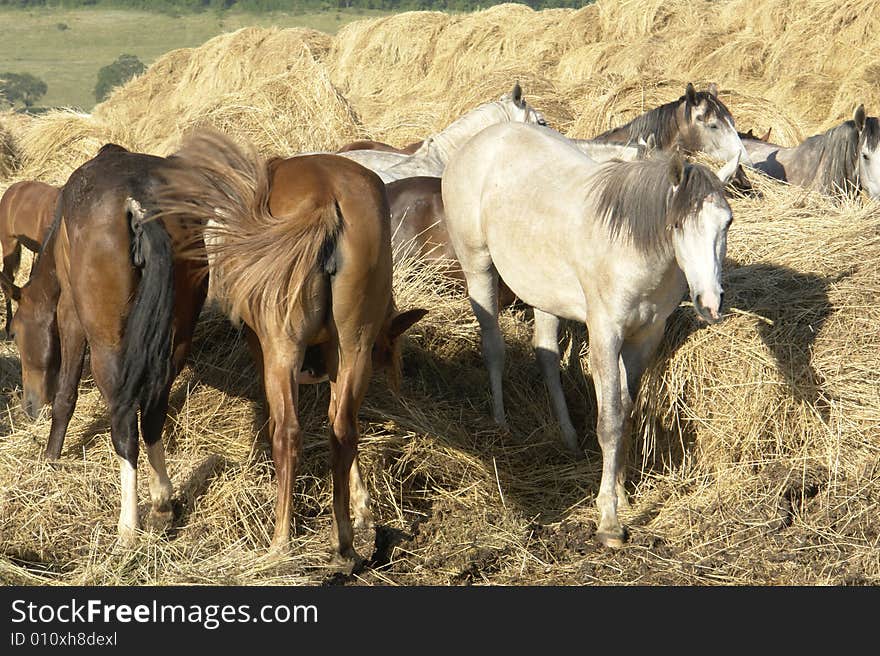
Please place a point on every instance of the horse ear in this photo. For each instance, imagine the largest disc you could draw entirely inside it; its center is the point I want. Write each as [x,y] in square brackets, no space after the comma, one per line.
[690,94]
[676,169]
[403,321]
[729,170]
[12,290]
[859,117]
[712,89]
[766,136]
[651,143]
[517,94]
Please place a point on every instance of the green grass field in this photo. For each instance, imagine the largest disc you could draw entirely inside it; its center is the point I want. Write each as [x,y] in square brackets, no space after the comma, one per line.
[68,60]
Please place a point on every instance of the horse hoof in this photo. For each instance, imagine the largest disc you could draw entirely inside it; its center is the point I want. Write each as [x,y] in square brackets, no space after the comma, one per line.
[158,520]
[126,540]
[279,549]
[344,563]
[612,539]
[363,519]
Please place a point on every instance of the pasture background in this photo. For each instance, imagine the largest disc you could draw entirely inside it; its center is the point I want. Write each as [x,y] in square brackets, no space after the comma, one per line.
[68,60]
[755,456]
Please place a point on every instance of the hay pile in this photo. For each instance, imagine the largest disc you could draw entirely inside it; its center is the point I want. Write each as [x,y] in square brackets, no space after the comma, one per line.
[756,447]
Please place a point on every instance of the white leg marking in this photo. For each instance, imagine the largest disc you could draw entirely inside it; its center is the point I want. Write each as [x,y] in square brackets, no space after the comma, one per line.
[128,513]
[160,485]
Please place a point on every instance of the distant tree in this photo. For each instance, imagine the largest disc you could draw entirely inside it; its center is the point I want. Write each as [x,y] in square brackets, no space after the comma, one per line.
[119,72]
[21,87]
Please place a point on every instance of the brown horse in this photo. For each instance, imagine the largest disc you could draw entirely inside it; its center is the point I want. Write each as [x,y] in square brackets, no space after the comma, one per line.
[108,278]
[418,228]
[26,212]
[301,252]
[366,144]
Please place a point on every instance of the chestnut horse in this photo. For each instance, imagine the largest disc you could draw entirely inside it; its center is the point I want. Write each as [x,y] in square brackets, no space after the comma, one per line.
[301,252]
[26,212]
[366,144]
[418,228]
[108,278]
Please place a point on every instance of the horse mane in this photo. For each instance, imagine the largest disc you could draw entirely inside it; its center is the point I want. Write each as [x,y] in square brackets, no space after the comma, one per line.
[635,199]
[260,262]
[871,133]
[662,121]
[837,165]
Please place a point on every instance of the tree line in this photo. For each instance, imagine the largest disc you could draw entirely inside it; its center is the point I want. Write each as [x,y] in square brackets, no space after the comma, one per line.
[24,89]
[287,5]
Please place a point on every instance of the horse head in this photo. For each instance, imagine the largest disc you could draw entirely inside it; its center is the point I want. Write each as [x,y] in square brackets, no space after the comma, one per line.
[708,126]
[869,151]
[35,331]
[518,109]
[699,217]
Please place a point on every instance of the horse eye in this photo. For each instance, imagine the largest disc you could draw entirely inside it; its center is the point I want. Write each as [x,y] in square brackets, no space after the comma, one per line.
[714,126]
[865,157]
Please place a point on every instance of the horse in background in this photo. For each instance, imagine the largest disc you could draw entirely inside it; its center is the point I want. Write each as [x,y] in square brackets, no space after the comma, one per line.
[615,245]
[26,212]
[698,122]
[841,160]
[365,144]
[301,251]
[431,158]
[108,278]
[418,228]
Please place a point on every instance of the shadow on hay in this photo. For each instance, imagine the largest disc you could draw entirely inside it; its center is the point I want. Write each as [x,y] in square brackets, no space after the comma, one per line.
[795,306]
[10,386]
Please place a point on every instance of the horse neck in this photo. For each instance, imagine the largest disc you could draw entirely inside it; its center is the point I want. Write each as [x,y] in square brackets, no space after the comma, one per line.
[446,142]
[817,156]
[655,121]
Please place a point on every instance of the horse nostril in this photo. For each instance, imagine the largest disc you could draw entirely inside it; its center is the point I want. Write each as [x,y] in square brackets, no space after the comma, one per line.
[721,302]
[698,301]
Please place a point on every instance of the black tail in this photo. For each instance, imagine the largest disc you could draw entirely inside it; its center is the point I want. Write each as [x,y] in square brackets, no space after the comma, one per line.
[146,364]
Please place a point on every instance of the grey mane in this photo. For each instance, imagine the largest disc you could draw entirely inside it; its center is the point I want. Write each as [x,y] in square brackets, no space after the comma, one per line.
[871,133]
[836,153]
[662,121]
[635,199]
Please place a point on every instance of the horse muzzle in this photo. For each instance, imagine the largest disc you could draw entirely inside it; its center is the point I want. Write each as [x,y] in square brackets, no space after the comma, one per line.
[709,309]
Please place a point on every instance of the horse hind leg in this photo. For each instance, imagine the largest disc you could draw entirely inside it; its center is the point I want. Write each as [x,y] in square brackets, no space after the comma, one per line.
[546,344]
[106,364]
[282,361]
[359,495]
[347,389]
[360,498]
[483,294]
[161,489]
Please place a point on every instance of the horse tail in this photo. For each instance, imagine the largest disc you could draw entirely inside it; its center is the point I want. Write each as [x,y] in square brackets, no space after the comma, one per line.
[260,263]
[146,348]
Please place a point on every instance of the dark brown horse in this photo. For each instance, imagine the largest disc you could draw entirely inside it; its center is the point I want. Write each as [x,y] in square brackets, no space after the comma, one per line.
[301,252]
[26,212]
[108,278]
[418,228]
[366,144]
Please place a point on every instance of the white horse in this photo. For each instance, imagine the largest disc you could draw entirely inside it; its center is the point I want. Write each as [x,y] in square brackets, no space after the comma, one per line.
[614,245]
[431,158]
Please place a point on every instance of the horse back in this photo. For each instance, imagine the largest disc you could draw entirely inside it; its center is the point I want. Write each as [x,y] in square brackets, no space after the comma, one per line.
[27,209]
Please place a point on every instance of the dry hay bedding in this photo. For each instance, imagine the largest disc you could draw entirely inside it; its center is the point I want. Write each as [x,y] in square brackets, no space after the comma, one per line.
[755,444]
